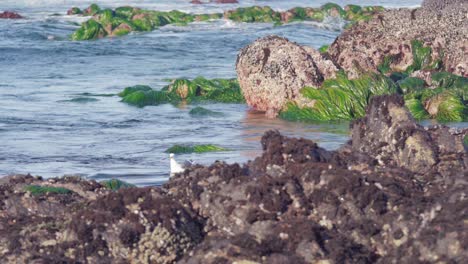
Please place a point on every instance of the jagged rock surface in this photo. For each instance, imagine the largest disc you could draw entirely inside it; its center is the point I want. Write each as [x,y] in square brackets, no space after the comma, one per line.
[272,70]
[381,198]
[442,26]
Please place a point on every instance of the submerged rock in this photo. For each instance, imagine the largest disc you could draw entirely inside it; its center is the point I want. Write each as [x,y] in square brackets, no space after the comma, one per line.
[10,15]
[272,71]
[394,194]
[196,90]
[135,19]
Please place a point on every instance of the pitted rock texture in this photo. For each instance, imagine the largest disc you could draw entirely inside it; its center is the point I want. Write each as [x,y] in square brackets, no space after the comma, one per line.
[390,134]
[381,198]
[438,5]
[273,70]
[364,46]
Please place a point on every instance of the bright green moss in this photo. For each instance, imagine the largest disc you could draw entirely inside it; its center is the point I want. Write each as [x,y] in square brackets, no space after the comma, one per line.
[147,20]
[201,89]
[143,24]
[132,89]
[180,149]
[254,14]
[421,56]
[125,12]
[451,108]
[197,90]
[41,190]
[90,29]
[324,48]
[340,98]
[116,184]
[417,109]
[145,98]
[92,10]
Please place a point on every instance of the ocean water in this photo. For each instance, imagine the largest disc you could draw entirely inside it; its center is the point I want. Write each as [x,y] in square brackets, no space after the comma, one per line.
[50,126]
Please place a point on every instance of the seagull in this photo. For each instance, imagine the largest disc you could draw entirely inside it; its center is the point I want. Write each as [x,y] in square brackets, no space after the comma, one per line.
[176,167]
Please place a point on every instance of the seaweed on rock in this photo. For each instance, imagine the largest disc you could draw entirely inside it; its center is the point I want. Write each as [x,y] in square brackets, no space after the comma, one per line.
[181,149]
[41,190]
[126,19]
[340,98]
[190,91]
[116,184]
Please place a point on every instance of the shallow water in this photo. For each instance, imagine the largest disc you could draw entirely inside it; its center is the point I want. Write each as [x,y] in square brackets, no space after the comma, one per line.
[50,127]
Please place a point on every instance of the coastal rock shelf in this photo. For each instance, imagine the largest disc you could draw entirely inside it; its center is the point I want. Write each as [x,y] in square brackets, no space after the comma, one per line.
[399,197]
[418,53]
[123,20]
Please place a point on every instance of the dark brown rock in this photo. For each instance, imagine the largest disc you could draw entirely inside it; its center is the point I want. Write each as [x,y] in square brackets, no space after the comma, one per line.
[395,194]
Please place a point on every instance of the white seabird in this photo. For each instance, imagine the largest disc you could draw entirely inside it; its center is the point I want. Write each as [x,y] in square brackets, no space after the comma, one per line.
[176,167]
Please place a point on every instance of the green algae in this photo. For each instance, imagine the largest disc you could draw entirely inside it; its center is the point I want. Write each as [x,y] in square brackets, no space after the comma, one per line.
[449,80]
[90,29]
[421,56]
[146,98]
[324,49]
[109,22]
[417,109]
[452,109]
[75,11]
[80,100]
[136,88]
[116,184]
[340,98]
[190,91]
[202,112]
[411,84]
[185,149]
[41,190]
[254,14]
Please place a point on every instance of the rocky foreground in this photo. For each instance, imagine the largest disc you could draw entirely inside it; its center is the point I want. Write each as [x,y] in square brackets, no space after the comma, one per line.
[396,193]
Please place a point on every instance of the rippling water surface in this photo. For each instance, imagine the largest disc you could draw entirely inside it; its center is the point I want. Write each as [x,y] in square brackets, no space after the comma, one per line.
[49,126]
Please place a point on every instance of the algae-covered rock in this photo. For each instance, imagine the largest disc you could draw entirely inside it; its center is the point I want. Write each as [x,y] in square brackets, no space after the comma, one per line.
[146,20]
[116,184]
[41,190]
[201,112]
[411,84]
[90,29]
[180,149]
[340,98]
[404,40]
[253,14]
[74,11]
[190,91]
[92,10]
